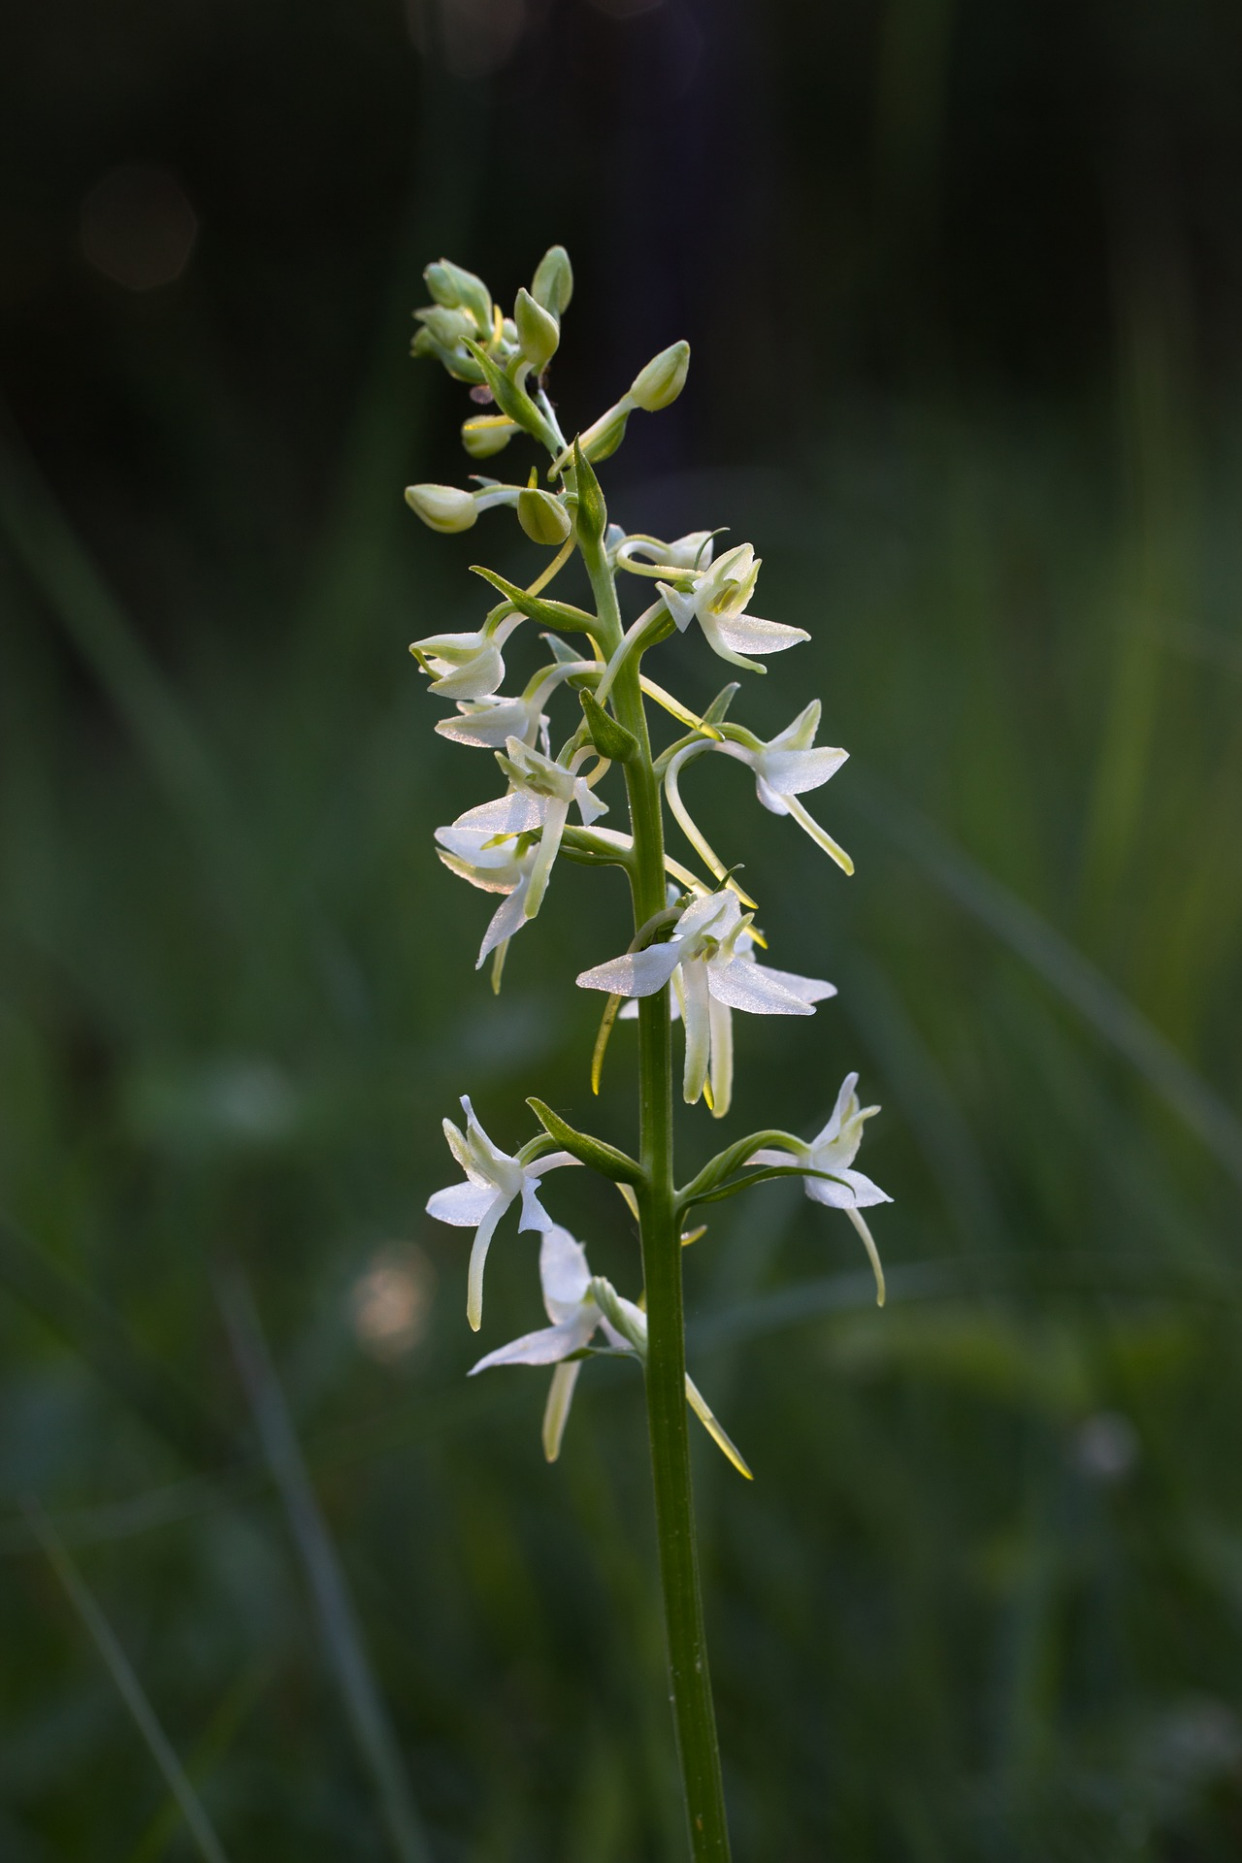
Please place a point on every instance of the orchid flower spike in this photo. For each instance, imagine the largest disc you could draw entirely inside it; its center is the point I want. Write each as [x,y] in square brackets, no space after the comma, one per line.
[718,598]
[713,971]
[493,1181]
[465,666]
[578,1305]
[833,1151]
[786,767]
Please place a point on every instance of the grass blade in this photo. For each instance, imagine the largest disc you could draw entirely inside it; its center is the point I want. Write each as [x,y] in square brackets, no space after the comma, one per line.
[364,1706]
[1100,1003]
[128,1686]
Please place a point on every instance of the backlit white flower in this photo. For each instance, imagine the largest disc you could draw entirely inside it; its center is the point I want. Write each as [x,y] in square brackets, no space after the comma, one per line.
[786,767]
[465,666]
[542,795]
[834,1150]
[489,722]
[711,965]
[472,851]
[718,600]
[578,1305]
[494,1180]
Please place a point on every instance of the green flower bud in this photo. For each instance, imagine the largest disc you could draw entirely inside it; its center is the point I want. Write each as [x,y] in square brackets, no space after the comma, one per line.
[485,434]
[455,288]
[592,511]
[604,436]
[446,326]
[443,507]
[553,283]
[543,518]
[659,384]
[537,329]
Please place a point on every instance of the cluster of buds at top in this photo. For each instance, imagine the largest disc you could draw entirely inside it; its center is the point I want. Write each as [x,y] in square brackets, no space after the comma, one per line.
[704,947]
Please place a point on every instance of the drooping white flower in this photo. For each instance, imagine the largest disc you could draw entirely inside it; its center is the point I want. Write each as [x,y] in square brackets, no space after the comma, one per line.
[509,845]
[494,1180]
[578,1305]
[834,1150]
[542,795]
[786,767]
[718,599]
[711,965]
[465,666]
[473,851]
[489,722]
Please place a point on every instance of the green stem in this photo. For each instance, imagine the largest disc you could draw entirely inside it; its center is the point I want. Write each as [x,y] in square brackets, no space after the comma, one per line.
[661,1245]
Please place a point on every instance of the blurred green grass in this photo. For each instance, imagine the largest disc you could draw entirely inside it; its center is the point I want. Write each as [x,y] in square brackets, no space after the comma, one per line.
[985,1597]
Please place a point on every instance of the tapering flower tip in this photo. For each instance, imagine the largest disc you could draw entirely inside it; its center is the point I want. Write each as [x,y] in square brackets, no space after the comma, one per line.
[544,518]
[485,434]
[659,384]
[553,283]
[457,289]
[442,507]
[538,331]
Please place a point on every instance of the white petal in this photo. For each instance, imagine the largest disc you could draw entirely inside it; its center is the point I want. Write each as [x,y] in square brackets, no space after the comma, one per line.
[853,1191]
[839,1111]
[546,1347]
[697,1012]
[680,606]
[534,1216]
[769,798]
[793,772]
[563,1273]
[722,1056]
[748,634]
[810,989]
[640,974]
[556,1410]
[477,679]
[517,813]
[749,986]
[464,1205]
[800,735]
[478,1260]
[770,1156]
[506,921]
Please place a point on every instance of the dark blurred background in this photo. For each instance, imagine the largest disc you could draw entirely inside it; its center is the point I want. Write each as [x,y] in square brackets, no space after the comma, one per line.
[963,286]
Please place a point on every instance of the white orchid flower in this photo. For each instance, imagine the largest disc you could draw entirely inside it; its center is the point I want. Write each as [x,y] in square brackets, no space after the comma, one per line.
[578,1305]
[718,599]
[465,666]
[713,971]
[508,846]
[542,795]
[834,1150]
[494,1180]
[786,767]
[489,722]
[472,851]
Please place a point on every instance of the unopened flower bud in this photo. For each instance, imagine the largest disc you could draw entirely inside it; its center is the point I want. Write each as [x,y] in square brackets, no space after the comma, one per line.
[442,507]
[455,288]
[659,384]
[553,283]
[485,434]
[543,518]
[538,331]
